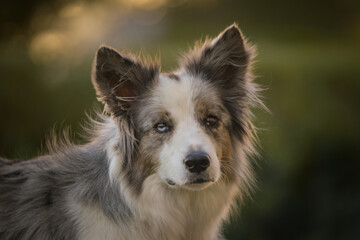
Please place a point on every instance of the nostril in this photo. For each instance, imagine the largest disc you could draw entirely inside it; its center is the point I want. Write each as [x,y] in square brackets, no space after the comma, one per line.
[204,162]
[197,162]
[189,164]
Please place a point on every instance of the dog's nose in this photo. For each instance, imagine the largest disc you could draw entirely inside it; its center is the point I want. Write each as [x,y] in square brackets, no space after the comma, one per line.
[197,162]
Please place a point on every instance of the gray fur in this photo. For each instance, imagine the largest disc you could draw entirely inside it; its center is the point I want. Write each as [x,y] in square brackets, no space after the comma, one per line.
[120,81]
[33,192]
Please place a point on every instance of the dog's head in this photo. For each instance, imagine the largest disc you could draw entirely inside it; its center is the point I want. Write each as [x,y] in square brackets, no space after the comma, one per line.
[191,126]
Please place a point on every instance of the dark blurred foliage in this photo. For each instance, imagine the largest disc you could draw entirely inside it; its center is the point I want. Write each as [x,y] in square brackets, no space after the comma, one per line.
[309,62]
[16,15]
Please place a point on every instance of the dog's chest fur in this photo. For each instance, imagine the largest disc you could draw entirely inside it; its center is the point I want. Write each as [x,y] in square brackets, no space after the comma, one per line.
[160,214]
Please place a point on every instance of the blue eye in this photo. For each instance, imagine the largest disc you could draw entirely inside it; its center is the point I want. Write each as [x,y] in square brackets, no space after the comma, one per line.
[162,127]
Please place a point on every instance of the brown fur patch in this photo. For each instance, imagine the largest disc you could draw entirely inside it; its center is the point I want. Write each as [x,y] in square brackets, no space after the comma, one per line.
[220,134]
[145,161]
[227,160]
[173,76]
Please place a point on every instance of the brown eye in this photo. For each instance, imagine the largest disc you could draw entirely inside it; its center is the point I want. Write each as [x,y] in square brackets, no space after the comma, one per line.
[211,121]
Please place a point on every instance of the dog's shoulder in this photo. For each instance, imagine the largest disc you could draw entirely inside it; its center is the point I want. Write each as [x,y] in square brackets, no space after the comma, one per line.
[29,206]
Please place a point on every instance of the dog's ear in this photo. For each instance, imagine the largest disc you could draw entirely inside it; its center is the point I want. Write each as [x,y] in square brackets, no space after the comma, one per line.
[119,79]
[224,59]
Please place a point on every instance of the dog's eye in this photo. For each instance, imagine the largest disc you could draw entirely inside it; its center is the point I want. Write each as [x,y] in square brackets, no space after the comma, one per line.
[211,121]
[162,127]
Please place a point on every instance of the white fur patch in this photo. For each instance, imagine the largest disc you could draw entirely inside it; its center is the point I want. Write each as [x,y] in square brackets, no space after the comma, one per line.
[178,98]
[94,225]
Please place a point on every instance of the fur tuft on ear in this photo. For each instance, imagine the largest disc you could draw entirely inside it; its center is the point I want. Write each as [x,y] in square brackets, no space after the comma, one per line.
[223,59]
[119,79]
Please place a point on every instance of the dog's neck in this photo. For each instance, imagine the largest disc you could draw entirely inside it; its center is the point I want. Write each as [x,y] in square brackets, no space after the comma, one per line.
[196,214]
[162,213]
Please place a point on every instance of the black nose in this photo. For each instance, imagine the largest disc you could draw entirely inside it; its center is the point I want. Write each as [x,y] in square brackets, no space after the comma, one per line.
[197,162]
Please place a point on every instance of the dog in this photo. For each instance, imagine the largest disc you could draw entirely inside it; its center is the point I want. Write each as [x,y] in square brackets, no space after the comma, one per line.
[168,159]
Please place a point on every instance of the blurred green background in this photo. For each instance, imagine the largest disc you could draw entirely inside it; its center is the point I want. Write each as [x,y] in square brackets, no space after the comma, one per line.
[308,60]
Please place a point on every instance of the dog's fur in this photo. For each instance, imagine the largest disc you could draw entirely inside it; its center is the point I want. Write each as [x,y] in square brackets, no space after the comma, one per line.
[130,181]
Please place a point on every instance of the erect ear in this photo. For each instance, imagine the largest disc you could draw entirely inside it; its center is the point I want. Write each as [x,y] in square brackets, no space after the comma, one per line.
[225,62]
[224,59]
[119,80]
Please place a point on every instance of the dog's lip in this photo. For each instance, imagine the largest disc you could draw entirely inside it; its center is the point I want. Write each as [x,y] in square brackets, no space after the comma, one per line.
[200,181]
[193,182]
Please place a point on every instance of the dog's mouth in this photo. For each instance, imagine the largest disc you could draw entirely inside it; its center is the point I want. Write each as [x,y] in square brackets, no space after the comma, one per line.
[193,182]
[200,180]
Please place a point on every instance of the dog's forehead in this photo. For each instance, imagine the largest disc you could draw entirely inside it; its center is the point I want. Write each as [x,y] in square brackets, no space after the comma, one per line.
[179,93]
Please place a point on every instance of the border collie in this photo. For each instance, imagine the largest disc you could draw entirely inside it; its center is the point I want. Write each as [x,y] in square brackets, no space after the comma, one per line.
[167,161]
